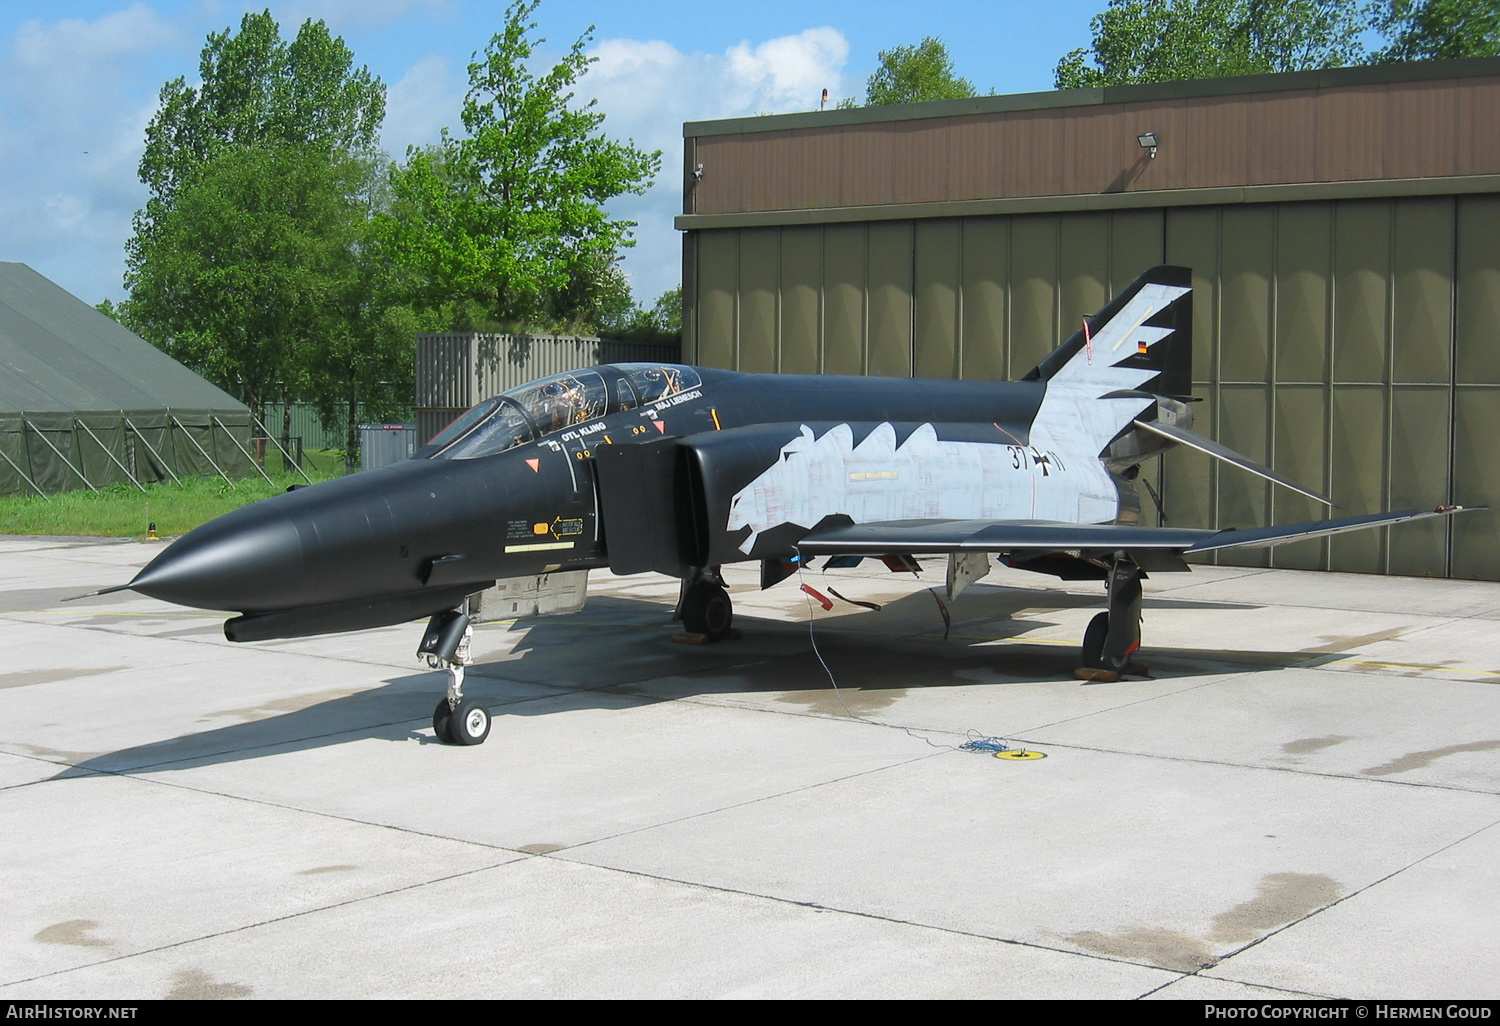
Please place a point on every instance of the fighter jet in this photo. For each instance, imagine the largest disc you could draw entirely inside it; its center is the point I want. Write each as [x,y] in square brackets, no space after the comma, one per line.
[681,470]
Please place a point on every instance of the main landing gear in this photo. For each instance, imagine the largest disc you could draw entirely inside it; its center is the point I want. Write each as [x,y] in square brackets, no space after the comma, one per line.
[1113,637]
[704,606]
[456,720]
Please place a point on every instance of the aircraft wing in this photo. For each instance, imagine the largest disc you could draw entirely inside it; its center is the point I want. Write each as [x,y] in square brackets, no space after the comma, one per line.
[1258,537]
[931,536]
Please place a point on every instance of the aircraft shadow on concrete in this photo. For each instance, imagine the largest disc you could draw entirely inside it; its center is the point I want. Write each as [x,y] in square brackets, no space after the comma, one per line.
[619,653]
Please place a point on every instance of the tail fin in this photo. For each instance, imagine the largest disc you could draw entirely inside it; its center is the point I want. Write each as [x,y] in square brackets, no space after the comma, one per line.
[1147,327]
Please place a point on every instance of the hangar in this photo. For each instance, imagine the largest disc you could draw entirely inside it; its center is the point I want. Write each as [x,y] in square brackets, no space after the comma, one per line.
[1343,228]
[85,403]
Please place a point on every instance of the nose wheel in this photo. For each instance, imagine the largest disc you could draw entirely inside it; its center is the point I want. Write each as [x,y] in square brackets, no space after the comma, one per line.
[442,716]
[469,724]
[456,720]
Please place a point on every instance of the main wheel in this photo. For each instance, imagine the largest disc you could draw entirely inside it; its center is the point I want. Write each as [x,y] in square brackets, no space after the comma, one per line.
[1093,641]
[470,724]
[442,721]
[707,610]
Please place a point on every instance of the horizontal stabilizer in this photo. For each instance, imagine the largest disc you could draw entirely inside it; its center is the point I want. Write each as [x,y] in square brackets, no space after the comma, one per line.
[1193,440]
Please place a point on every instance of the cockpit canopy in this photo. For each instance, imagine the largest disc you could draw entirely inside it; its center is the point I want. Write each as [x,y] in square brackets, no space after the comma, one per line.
[538,408]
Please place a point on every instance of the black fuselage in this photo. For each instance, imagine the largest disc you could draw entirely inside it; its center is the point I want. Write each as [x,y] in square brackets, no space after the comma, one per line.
[374,546]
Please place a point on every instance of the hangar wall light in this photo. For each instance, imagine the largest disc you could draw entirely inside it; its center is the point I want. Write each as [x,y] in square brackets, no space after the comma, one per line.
[1148,141]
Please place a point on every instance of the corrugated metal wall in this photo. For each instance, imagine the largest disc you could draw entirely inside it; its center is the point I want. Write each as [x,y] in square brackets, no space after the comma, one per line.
[1339,125]
[1351,344]
[307,426]
[455,371]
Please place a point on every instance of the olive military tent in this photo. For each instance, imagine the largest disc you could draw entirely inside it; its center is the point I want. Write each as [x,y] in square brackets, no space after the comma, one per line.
[84,402]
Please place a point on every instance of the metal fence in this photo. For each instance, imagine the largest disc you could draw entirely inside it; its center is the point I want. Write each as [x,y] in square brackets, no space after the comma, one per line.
[457,370]
[307,426]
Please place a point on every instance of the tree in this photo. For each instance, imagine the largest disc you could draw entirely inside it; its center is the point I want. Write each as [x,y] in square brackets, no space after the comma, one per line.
[1434,29]
[364,359]
[912,74]
[239,281]
[662,322]
[1136,41]
[255,213]
[511,216]
[595,298]
[666,314]
[256,89]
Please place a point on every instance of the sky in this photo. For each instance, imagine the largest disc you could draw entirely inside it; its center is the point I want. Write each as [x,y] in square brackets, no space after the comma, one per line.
[79,81]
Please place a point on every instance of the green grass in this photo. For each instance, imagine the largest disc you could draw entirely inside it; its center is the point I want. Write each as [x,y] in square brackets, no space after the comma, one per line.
[122,511]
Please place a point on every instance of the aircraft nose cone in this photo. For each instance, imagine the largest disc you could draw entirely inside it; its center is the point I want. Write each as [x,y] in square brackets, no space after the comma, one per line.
[246,561]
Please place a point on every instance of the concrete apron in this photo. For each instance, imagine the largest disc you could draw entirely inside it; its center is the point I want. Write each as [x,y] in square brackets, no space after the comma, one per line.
[1302,799]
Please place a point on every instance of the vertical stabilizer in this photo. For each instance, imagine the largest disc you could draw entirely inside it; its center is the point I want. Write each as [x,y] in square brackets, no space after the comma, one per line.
[1146,332]
[1102,378]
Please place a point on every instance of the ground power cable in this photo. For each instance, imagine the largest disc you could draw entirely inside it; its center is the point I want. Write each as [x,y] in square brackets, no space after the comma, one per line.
[977,740]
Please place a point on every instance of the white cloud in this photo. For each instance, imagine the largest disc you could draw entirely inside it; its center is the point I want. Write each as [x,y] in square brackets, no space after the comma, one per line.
[648,89]
[417,108]
[72,129]
[76,95]
[67,62]
[789,73]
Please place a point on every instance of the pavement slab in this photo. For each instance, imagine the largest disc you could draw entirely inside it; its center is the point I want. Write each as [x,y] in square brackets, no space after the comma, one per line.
[1368,725]
[1429,930]
[15,770]
[1163,862]
[99,866]
[572,768]
[1207,988]
[548,929]
[1302,798]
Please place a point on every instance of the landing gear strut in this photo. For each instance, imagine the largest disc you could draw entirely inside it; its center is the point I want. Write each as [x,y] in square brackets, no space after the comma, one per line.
[704,606]
[456,720]
[1113,637]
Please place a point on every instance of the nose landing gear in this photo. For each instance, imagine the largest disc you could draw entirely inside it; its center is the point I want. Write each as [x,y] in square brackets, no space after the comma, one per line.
[456,720]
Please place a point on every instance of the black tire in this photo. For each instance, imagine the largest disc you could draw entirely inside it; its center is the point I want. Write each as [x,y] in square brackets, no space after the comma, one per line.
[707,610]
[1093,641]
[470,724]
[442,718]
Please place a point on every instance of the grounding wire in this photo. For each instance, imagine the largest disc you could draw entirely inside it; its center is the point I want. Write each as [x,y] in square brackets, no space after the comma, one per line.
[976,742]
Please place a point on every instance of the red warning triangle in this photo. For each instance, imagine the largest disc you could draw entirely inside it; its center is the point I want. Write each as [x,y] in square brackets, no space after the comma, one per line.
[661,426]
[534,465]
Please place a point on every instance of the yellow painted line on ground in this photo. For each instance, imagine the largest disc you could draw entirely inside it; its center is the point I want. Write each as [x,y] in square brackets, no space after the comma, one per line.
[1374,663]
